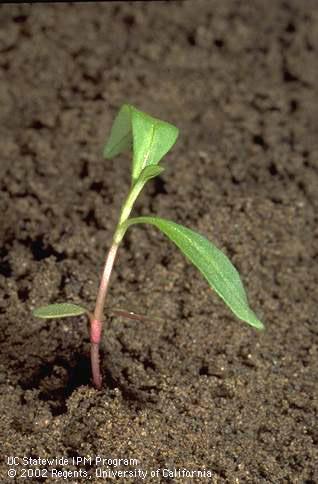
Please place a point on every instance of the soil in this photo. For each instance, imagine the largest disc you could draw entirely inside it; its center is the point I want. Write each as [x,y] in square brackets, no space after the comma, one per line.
[197,389]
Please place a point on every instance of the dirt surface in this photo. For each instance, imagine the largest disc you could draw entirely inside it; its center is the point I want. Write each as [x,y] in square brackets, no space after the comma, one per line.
[198,390]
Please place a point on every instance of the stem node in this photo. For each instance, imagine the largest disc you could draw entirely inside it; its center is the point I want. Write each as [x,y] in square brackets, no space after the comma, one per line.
[96,331]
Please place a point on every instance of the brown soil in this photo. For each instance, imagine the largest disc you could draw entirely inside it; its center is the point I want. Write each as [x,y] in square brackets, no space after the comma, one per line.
[199,389]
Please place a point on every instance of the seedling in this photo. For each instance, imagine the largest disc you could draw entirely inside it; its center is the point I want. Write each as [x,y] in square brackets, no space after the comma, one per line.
[150,139]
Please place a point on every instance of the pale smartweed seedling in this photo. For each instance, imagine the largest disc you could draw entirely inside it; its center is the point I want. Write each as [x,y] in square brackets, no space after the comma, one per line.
[150,139]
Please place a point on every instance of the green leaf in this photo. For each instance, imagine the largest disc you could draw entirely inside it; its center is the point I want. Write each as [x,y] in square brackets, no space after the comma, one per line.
[149,172]
[121,134]
[211,262]
[149,137]
[60,310]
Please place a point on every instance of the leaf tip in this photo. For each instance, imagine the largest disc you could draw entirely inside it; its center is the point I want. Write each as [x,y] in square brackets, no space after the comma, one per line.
[256,323]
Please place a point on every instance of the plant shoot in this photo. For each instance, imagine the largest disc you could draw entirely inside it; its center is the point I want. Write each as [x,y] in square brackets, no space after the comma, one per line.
[150,139]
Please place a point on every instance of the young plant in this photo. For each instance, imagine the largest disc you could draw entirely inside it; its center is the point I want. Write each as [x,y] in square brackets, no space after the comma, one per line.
[150,139]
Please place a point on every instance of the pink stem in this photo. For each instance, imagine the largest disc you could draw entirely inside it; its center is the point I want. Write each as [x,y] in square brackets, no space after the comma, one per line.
[95,336]
[96,320]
